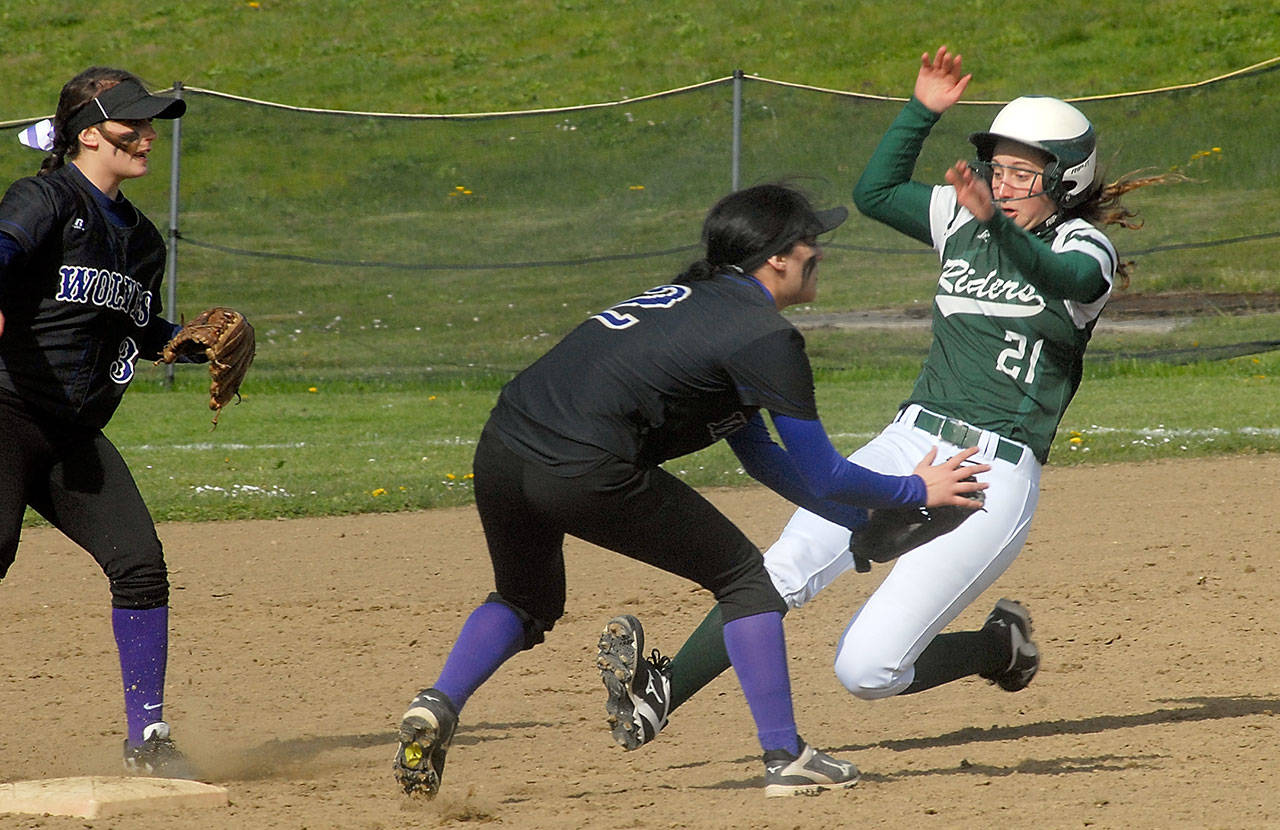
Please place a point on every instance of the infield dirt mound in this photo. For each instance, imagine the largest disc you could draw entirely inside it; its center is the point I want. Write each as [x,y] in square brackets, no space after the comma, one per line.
[297,645]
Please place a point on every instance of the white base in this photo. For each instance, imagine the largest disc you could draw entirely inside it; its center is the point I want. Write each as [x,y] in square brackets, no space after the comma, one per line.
[97,796]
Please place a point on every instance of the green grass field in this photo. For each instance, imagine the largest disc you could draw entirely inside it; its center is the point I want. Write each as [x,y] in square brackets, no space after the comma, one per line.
[411,267]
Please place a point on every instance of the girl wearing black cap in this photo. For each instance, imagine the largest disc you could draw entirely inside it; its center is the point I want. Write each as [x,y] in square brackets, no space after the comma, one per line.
[575,443]
[80,272]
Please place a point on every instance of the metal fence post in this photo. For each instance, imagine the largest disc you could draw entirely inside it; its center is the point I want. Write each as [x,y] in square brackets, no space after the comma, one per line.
[737,125]
[171,263]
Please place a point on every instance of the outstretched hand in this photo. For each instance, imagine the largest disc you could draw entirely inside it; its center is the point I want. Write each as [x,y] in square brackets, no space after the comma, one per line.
[972,191]
[946,482]
[940,82]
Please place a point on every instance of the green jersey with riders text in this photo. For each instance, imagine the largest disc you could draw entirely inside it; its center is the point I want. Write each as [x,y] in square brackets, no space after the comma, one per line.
[1006,355]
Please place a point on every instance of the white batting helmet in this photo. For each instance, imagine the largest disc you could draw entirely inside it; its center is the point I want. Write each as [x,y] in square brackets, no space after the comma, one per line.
[1056,128]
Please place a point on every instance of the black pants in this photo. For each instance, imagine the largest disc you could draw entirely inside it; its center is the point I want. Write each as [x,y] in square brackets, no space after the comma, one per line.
[76,479]
[645,514]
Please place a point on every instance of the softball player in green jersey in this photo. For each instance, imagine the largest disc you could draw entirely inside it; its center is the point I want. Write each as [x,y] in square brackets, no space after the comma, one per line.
[1025,272]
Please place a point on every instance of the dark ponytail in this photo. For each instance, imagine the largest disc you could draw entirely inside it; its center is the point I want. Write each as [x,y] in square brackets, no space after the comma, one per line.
[77,93]
[700,270]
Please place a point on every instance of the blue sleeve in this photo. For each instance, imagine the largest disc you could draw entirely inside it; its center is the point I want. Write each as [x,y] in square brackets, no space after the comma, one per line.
[829,475]
[157,334]
[840,499]
[10,252]
[770,465]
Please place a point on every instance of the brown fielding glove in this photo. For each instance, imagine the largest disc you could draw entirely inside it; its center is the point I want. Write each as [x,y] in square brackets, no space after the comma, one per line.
[225,337]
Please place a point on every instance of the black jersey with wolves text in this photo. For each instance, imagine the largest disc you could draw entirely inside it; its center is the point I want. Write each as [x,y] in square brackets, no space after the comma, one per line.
[658,376]
[82,303]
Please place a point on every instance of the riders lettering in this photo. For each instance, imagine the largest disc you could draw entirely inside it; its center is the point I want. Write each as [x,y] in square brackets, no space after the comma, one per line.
[958,278]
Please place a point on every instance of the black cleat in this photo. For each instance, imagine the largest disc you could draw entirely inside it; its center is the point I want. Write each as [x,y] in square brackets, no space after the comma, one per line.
[639,688]
[425,734]
[1012,619]
[157,756]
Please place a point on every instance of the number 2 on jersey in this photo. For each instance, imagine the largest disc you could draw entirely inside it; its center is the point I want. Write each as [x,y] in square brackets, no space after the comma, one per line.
[663,296]
[1010,360]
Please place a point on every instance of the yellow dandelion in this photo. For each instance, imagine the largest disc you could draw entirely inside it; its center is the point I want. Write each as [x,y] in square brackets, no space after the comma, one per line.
[470,475]
[1076,439]
[312,389]
[450,476]
[636,187]
[380,491]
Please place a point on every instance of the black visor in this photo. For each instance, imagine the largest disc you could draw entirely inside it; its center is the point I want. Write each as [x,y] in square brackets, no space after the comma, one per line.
[823,221]
[126,101]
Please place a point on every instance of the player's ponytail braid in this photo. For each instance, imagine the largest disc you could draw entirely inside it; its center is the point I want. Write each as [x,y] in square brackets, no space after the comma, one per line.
[699,270]
[76,93]
[57,156]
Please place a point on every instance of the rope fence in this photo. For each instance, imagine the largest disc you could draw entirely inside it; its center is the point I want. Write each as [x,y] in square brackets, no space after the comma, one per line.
[254,216]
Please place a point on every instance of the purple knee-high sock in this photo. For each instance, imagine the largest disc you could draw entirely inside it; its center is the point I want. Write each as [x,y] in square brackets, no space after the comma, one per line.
[142,639]
[491,635]
[758,651]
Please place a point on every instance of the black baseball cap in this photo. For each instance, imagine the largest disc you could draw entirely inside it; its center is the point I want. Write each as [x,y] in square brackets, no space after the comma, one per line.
[126,101]
[820,222]
[830,219]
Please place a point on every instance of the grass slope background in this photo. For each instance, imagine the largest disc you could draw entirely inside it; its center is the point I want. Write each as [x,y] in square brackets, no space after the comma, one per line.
[373,381]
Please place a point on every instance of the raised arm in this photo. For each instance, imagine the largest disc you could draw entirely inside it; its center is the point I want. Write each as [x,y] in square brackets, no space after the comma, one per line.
[885,191]
[941,81]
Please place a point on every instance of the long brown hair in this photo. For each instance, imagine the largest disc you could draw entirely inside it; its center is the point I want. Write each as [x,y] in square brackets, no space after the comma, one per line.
[76,93]
[1103,208]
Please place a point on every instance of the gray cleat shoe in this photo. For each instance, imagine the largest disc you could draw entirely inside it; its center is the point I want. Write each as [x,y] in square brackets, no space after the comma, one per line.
[808,773]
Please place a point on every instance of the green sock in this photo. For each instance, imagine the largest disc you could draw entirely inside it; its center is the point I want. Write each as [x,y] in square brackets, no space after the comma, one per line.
[958,654]
[700,660]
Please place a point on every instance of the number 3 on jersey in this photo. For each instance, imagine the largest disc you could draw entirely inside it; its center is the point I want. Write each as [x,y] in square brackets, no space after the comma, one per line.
[663,296]
[1010,360]
[122,366]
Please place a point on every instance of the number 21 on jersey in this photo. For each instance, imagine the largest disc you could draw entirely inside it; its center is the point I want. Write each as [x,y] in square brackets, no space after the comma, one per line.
[1011,359]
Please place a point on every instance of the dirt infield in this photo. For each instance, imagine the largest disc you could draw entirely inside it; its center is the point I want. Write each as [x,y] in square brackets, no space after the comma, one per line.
[297,645]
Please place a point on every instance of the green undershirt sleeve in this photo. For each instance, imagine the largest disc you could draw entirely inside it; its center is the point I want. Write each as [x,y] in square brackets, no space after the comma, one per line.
[885,191]
[1072,275]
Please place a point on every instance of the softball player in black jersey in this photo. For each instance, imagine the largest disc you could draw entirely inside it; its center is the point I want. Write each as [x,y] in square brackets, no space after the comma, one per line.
[574,445]
[80,272]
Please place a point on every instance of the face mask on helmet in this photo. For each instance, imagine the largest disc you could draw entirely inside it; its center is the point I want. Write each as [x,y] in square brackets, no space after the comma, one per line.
[1053,127]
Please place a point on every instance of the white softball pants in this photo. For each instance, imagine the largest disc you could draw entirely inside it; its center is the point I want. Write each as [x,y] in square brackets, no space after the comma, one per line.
[929,586]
